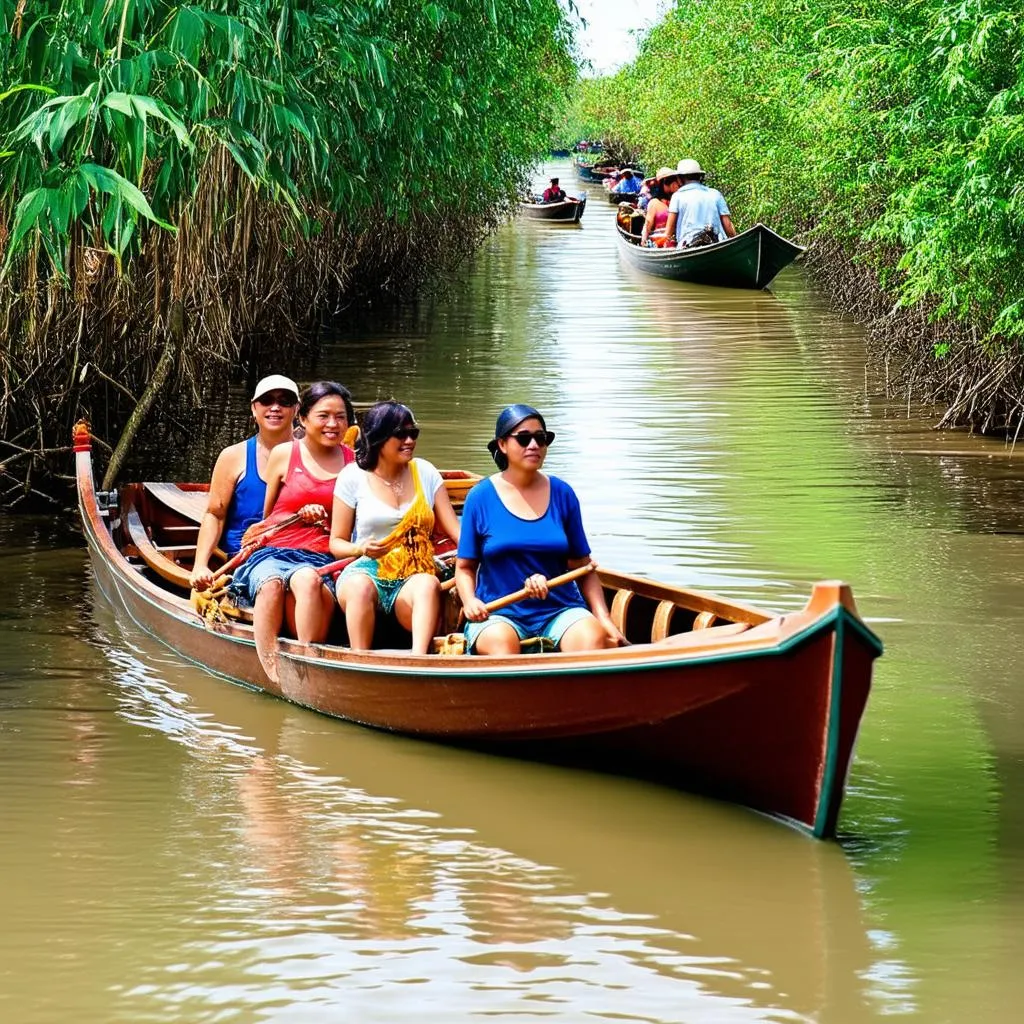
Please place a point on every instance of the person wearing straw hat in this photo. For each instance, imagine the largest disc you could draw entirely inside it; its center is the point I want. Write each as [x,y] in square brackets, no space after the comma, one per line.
[520,529]
[662,187]
[697,215]
[238,485]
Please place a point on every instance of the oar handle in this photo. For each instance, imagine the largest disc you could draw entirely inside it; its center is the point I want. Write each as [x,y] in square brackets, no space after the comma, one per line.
[333,567]
[254,544]
[555,581]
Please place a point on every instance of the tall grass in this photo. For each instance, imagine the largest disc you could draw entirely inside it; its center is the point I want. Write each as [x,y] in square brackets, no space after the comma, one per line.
[191,174]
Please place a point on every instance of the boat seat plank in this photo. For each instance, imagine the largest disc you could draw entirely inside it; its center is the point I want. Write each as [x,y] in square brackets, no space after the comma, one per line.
[620,608]
[662,620]
[188,504]
[148,552]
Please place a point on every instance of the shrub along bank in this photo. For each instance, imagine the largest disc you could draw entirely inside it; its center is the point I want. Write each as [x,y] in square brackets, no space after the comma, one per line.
[889,134]
[176,178]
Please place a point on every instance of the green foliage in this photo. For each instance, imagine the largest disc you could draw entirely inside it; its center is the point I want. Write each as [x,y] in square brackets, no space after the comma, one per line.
[896,127]
[222,171]
[339,106]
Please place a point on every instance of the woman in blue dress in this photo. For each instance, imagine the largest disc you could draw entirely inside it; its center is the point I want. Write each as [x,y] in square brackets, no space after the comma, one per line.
[521,527]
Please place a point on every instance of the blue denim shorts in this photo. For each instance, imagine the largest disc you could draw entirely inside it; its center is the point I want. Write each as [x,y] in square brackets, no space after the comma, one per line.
[387,590]
[554,629]
[275,564]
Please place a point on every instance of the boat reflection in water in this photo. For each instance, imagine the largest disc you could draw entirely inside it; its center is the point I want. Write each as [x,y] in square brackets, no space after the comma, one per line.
[505,864]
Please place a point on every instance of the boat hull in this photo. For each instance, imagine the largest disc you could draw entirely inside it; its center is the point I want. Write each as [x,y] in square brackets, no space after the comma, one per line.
[765,717]
[751,259]
[568,212]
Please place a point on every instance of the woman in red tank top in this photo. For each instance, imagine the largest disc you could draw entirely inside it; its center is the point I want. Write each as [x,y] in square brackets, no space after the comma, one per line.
[281,581]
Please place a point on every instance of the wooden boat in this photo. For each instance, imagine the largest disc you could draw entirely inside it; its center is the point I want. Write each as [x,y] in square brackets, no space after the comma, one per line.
[712,695]
[750,259]
[594,174]
[623,197]
[567,212]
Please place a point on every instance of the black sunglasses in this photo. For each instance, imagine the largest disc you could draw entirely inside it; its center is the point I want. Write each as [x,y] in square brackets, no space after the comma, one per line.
[406,433]
[542,437]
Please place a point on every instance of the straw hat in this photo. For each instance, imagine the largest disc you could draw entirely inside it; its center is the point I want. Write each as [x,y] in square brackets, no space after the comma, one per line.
[689,167]
[663,174]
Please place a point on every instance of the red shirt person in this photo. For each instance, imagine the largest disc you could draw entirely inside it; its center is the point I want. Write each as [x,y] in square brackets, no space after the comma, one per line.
[553,193]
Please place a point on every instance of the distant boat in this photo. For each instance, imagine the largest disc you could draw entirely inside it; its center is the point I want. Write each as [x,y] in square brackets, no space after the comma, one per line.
[594,173]
[568,211]
[750,259]
[623,197]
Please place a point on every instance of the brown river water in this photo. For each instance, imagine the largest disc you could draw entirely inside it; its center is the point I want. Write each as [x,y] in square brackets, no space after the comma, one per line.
[176,848]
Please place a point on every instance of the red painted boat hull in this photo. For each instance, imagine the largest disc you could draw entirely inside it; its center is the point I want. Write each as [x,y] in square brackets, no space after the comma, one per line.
[766,716]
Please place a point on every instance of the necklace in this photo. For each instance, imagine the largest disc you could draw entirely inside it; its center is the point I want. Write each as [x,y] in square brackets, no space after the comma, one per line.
[396,486]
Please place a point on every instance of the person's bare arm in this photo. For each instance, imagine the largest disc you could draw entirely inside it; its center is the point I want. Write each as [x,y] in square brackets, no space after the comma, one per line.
[727,224]
[343,521]
[445,515]
[648,224]
[593,593]
[670,228]
[226,472]
[465,583]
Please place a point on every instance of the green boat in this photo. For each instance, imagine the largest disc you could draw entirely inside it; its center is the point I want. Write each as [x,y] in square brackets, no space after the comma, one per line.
[751,259]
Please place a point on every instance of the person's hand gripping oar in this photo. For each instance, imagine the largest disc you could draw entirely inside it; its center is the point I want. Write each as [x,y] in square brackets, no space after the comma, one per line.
[206,594]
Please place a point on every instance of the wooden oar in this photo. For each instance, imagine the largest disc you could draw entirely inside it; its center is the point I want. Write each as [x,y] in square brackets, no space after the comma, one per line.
[555,581]
[247,549]
[333,567]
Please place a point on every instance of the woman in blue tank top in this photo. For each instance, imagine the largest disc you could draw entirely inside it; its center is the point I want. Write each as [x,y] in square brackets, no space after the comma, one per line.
[519,529]
[237,488]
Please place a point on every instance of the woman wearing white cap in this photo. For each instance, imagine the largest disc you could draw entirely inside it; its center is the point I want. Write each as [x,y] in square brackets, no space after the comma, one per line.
[238,487]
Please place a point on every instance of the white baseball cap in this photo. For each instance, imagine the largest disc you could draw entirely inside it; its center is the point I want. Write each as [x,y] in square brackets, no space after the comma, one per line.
[275,382]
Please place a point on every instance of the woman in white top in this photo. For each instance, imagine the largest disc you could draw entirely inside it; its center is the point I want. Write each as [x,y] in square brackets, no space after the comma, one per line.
[385,506]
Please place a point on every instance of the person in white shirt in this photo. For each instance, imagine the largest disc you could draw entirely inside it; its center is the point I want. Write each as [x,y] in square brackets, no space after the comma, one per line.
[385,508]
[696,212]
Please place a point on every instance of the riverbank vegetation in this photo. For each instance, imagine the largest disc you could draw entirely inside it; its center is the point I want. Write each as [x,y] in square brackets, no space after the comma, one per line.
[891,136]
[176,179]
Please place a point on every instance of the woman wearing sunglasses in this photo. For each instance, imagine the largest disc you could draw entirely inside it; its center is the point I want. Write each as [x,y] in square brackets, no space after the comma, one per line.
[385,508]
[238,486]
[520,528]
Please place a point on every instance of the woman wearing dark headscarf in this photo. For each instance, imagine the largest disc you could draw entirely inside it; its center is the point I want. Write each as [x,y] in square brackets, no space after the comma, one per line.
[519,529]
[385,508]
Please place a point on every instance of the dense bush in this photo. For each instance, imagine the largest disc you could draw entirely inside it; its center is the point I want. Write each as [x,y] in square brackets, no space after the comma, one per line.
[185,175]
[891,132]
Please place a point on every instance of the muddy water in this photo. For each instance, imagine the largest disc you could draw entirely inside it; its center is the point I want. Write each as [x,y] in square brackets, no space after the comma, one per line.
[175,848]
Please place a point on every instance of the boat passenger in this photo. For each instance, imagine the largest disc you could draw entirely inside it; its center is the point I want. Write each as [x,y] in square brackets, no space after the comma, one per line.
[663,185]
[628,183]
[521,527]
[238,486]
[697,215]
[554,193]
[281,580]
[385,508]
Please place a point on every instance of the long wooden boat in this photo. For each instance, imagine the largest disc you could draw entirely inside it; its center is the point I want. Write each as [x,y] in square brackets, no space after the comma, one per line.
[569,211]
[712,695]
[750,259]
